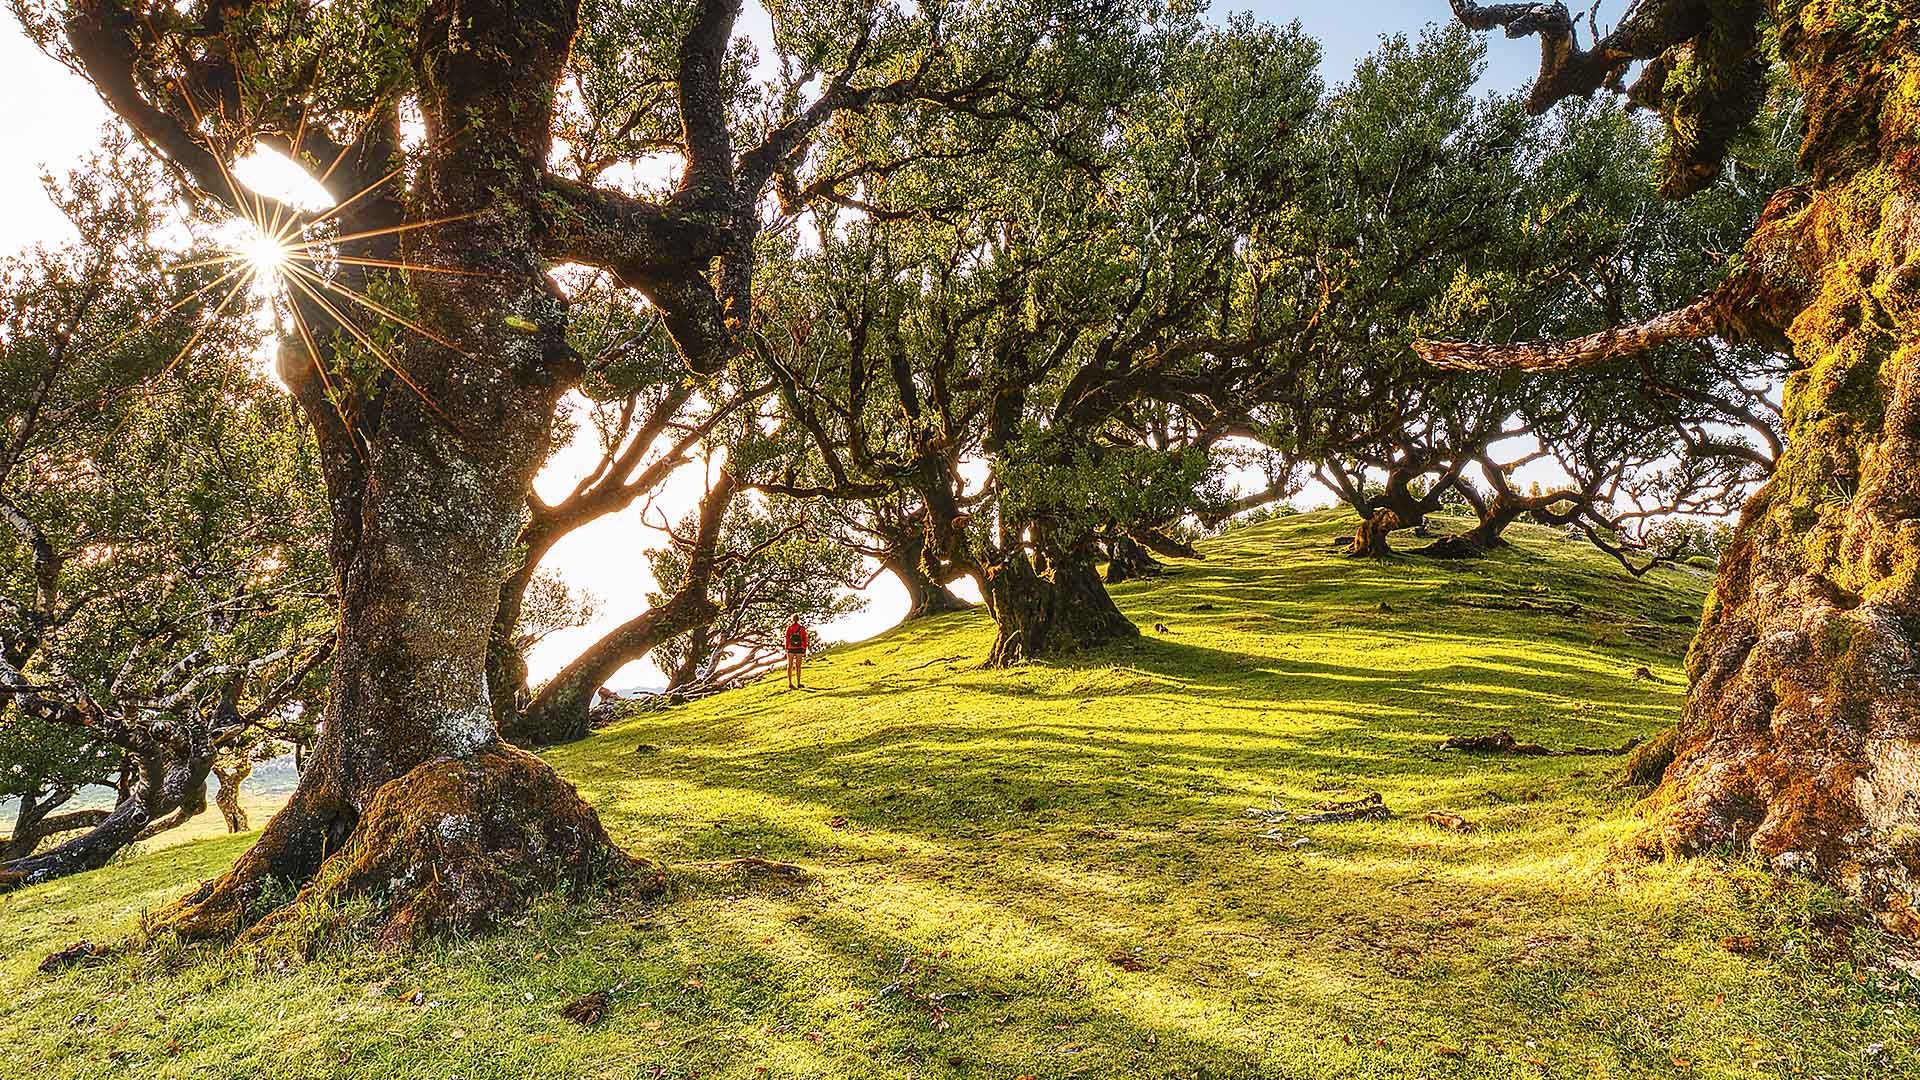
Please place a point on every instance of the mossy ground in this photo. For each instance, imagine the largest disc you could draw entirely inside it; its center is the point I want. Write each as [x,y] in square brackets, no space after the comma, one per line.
[1051,871]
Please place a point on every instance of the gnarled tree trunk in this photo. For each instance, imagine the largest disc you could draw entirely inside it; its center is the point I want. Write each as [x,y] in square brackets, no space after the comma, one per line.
[409,800]
[34,820]
[1061,610]
[1393,508]
[1370,539]
[228,797]
[561,711]
[1129,560]
[167,787]
[907,559]
[1801,737]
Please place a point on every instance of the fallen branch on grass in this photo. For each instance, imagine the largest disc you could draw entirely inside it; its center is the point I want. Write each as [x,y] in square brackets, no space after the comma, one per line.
[1441,819]
[80,952]
[1369,808]
[1503,742]
[754,864]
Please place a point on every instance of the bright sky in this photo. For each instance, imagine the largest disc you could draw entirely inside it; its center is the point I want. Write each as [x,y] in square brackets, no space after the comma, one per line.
[53,120]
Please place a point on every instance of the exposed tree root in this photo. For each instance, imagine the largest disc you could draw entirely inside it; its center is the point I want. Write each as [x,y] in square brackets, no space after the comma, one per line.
[1369,807]
[454,846]
[1466,545]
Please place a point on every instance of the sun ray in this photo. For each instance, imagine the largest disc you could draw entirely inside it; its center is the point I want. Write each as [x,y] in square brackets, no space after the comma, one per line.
[379,354]
[219,309]
[320,369]
[385,231]
[278,248]
[334,210]
[176,305]
[377,309]
[422,268]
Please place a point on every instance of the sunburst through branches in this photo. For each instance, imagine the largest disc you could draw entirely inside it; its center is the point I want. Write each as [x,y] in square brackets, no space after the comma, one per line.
[292,261]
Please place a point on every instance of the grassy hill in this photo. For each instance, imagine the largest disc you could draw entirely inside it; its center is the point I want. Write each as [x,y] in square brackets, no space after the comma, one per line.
[1053,872]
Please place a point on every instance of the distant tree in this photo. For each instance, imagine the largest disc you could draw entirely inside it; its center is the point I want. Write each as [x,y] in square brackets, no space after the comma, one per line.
[890,530]
[649,421]
[1688,428]
[164,600]
[1045,290]
[1798,734]
[1414,177]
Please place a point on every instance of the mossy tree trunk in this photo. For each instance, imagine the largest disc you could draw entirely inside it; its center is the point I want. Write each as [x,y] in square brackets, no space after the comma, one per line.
[409,799]
[1801,736]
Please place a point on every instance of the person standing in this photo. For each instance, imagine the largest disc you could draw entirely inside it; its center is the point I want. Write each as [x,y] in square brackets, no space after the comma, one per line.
[797,641]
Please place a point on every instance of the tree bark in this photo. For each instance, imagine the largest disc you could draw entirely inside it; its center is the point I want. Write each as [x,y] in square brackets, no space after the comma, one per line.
[1370,539]
[1396,507]
[1801,735]
[907,560]
[35,821]
[27,831]
[1482,538]
[1161,544]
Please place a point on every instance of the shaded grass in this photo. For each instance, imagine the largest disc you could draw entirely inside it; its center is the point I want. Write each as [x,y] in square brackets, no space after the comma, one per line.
[1051,871]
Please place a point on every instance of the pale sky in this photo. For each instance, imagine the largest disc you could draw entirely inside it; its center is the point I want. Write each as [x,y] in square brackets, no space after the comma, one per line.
[54,119]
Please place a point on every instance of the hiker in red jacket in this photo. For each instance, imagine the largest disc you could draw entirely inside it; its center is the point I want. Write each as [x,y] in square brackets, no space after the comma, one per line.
[797,641]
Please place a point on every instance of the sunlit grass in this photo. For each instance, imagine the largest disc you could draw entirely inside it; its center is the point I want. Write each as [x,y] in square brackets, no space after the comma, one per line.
[1051,871]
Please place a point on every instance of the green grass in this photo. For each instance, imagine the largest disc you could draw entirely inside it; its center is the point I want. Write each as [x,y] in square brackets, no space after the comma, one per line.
[1052,872]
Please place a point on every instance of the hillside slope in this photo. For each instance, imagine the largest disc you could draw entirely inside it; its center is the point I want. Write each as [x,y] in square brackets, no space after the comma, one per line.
[1053,871]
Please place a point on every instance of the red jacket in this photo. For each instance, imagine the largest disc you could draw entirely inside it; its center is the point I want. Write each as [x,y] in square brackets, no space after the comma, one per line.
[797,638]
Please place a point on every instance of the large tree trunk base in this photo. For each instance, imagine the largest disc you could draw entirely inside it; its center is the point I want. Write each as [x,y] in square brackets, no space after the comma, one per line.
[1052,615]
[1085,616]
[453,847]
[1020,601]
[939,601]
[1802,744]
